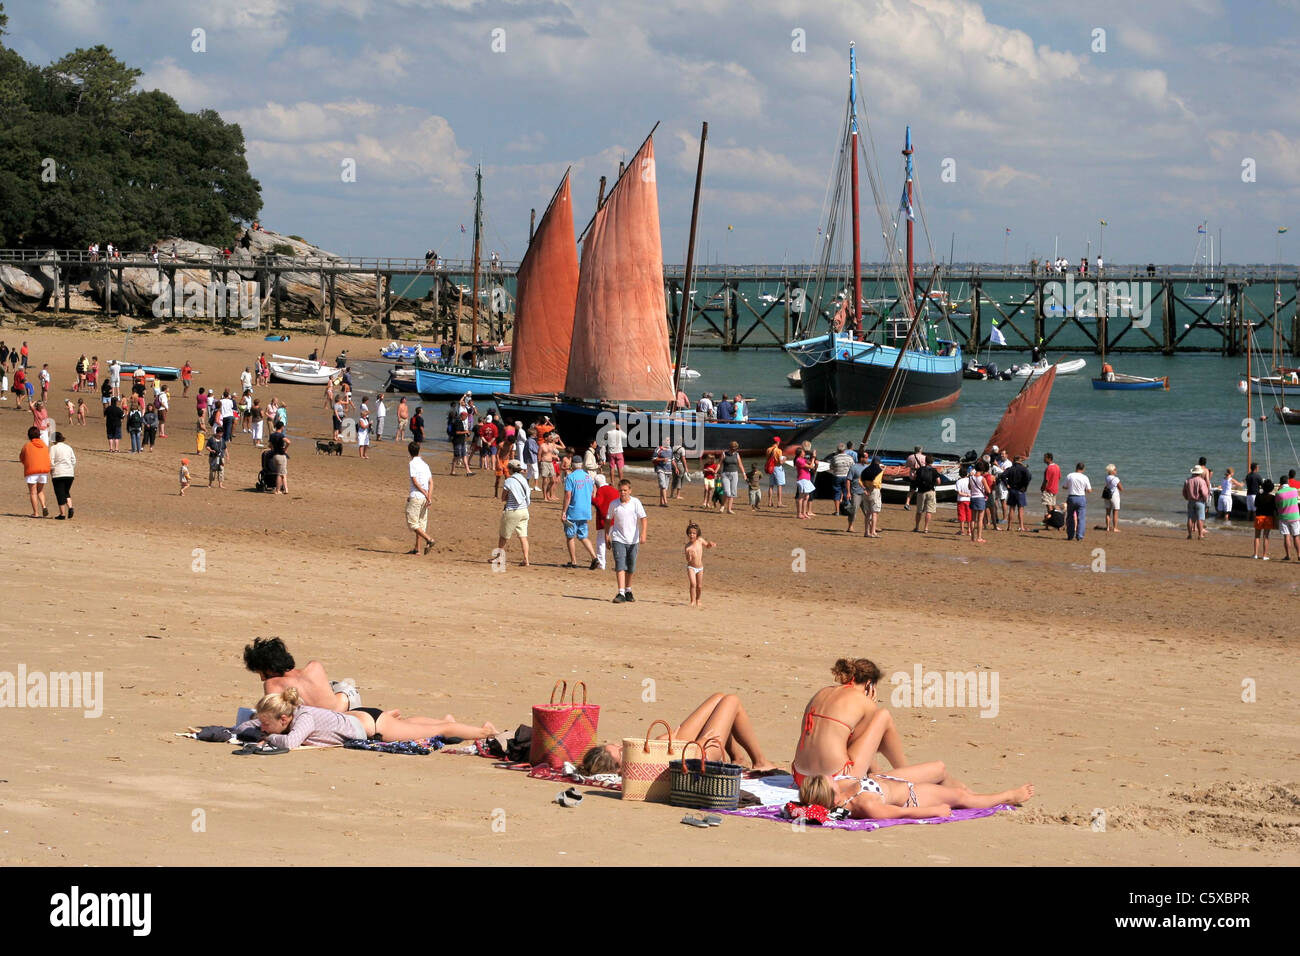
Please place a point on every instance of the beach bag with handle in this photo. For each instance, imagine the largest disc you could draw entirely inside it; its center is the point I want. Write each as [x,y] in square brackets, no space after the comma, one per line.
[704,784]
[645,765]
[563,732]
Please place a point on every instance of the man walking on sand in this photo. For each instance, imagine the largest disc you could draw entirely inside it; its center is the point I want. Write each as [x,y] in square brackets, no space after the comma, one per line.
[625,532]
[578,492]
[417,499]
[514,512]
[1196,492]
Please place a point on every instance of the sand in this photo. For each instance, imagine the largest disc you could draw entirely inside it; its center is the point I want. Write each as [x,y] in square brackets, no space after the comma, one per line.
[1120,690]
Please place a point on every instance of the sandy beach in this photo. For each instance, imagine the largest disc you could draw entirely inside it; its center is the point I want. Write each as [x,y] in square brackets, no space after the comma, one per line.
[1119,689]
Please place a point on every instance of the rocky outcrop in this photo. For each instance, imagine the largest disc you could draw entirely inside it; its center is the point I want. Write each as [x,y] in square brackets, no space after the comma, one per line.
[25,289]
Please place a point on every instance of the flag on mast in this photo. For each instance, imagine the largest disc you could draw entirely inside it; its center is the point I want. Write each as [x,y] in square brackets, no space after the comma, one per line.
[996,336]
[905,206]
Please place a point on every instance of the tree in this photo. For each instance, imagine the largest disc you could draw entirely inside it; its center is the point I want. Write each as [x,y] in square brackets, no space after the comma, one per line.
[129,167]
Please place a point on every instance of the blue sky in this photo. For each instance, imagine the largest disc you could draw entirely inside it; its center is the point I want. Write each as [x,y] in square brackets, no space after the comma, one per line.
[1048,133]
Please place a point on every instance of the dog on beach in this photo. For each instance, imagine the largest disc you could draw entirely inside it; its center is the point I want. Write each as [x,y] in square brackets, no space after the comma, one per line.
[324,447]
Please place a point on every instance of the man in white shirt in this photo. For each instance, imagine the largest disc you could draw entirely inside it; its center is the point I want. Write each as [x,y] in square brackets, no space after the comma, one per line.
[514,512]
[625,531]
[227,416]
[245,381]
[417,500]
[705,406]
[115,378]
[615,443]
[163,401]
[1076,486]
[381,412]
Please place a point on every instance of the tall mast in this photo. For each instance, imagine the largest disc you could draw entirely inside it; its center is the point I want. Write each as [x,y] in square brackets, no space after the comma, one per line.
[684,318]
[911,282]
[1250,405]
[853,146]
[478,223]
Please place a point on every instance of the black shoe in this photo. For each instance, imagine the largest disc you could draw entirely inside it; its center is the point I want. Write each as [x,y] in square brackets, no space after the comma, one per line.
[619,599]
[594,565]
[45,512]
[70,511]
[58,517]
[630,597]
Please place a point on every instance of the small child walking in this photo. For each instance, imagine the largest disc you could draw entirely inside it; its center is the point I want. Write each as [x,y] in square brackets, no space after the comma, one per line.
[695,545]
[710,472]
[755,488]
[185,475]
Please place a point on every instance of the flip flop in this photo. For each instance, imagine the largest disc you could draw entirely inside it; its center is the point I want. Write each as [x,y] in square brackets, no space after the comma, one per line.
[259,749]
[713,820]
[569,798]
[691,821]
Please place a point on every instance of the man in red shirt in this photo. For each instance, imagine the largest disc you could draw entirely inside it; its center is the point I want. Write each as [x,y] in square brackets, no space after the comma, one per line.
[187,374]
[604,496]
[1051,483]
[487,443]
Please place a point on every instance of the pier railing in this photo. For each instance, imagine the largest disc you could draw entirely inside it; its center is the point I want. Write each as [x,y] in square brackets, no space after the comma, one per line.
[731,311]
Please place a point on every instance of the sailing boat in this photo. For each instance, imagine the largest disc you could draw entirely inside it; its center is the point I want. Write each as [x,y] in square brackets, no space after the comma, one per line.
[546,293]
[1205,240]
[451,379]
[841,370]
[619,352]
[1111,380]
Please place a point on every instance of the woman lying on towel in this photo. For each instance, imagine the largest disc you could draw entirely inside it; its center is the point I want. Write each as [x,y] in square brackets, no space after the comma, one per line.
[843,727]
[721,717]
[910,793]
[289,723]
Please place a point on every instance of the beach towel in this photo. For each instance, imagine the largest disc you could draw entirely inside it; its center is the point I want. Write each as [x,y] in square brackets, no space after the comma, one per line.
[775,792]
[421,747]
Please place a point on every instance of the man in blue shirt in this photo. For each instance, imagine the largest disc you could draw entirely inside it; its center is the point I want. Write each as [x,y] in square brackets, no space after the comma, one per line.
[578,490]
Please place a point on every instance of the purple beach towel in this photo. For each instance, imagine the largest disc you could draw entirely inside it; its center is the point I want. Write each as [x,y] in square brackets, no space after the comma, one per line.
[777,814]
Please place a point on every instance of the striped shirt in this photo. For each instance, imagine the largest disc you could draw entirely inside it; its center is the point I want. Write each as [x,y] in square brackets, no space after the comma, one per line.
[312,727]
[1288,504]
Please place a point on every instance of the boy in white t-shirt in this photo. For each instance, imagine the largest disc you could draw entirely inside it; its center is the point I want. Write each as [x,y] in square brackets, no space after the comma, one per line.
[625,531]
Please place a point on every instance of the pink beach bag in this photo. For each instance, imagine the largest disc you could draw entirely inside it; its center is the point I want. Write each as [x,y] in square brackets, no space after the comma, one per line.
[563,732]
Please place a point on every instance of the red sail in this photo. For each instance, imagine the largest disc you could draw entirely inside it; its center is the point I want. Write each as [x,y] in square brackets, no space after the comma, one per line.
[620,325]
[1019,426]
[547,288]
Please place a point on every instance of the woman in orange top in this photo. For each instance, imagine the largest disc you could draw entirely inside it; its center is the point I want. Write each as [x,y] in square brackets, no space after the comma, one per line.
[35,457]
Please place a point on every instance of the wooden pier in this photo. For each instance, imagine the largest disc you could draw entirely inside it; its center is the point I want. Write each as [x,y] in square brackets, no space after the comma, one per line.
[729,315]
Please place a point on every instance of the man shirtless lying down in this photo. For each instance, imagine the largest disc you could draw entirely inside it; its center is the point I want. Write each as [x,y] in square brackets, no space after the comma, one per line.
[268,658]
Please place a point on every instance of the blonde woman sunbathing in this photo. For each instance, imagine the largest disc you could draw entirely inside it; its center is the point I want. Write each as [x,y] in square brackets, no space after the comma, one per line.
[289,723]
[910,793]
[721,718]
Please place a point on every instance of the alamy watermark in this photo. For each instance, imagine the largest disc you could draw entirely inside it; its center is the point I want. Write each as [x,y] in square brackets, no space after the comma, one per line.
[84,689]
[945,689]
[1118,300]
[649,430]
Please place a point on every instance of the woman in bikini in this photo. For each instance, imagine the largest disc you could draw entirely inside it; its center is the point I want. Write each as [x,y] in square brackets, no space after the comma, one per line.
[695,546]
[915,793]
[720,718]
[843,726]
[289,723]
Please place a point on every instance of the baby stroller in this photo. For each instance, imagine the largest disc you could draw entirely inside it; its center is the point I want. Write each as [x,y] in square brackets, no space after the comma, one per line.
[266,477]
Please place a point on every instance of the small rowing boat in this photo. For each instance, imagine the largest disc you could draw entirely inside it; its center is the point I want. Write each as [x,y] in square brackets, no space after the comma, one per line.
[1118,381]
[1062,368]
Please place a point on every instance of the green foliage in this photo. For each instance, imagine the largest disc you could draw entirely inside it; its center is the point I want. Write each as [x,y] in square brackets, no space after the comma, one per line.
[129,166]
[299,238]
[280,249]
